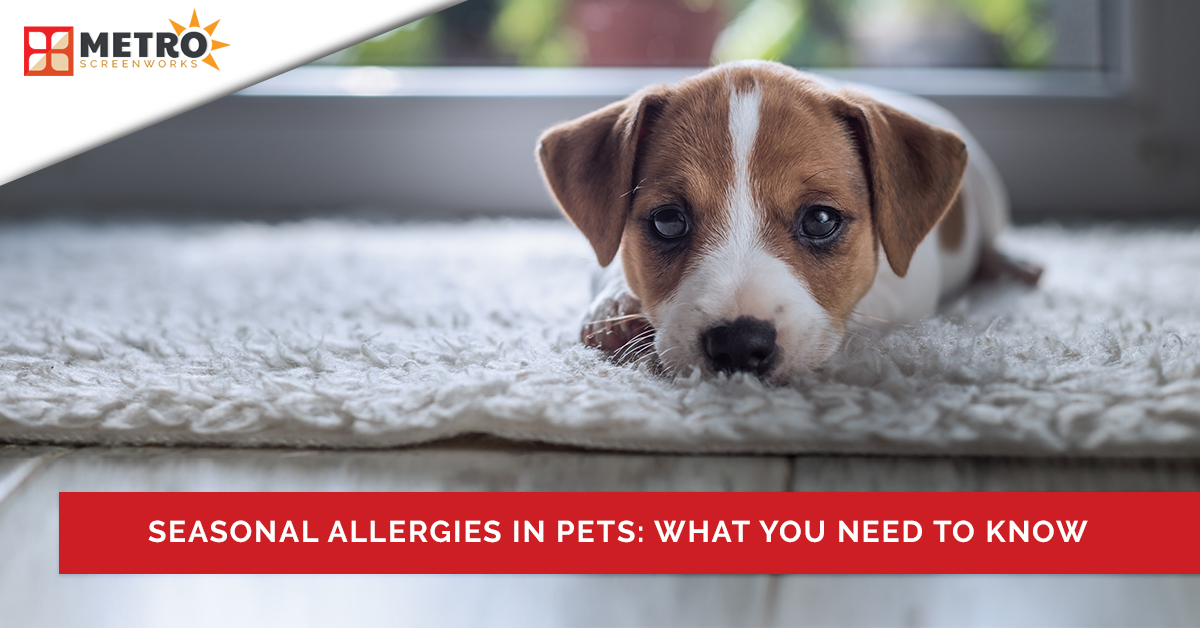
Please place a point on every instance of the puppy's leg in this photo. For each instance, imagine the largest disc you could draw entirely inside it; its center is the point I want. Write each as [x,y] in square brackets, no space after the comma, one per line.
[614,322]
[997,266]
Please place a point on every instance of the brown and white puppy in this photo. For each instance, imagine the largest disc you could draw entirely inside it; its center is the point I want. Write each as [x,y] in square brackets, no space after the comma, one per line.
[755,212]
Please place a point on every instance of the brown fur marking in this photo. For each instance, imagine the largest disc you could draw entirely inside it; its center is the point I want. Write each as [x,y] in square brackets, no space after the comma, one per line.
[953,227]
[687,161]
[914,170]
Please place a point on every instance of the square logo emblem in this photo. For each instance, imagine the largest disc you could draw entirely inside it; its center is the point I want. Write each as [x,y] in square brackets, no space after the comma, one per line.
[49,51]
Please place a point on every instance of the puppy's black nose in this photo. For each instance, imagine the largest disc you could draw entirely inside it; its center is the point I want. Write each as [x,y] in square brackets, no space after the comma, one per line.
[746,344]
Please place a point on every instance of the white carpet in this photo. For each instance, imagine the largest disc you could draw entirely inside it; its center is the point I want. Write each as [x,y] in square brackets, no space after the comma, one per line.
[334,334]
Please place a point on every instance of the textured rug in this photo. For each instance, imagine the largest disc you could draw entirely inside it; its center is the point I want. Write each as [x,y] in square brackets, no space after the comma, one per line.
[364,335]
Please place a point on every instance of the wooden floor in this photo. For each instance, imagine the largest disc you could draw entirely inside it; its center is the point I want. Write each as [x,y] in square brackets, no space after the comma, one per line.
[32,593]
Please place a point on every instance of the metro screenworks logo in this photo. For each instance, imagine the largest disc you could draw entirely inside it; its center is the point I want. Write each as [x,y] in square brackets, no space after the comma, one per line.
[49,50]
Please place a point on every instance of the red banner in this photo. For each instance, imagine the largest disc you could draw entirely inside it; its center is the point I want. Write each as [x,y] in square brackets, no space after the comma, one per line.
[629,533]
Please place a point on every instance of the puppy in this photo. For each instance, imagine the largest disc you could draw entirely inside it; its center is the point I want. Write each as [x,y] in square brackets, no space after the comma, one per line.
[749,215]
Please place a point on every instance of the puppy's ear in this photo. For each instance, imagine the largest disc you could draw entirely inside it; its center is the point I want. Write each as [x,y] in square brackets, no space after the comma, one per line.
[589,164]
[914,170]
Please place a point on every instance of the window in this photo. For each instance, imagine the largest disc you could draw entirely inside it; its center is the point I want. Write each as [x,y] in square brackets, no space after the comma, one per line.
[1041,48]
[1086,107]
[1026,34]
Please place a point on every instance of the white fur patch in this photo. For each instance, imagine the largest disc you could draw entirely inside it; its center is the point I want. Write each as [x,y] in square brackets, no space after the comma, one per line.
[736,276]
[743,226]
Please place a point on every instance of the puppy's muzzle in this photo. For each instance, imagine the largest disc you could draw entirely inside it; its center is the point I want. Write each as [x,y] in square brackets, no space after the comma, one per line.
[746,344]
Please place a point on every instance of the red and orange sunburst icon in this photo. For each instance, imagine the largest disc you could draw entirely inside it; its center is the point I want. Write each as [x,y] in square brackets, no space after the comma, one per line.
[49,51]
[210,29]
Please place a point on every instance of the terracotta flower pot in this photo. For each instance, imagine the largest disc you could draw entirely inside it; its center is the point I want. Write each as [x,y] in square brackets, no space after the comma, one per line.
[638,33]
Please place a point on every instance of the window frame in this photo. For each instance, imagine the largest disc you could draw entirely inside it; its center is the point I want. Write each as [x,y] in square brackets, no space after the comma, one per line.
[448,142]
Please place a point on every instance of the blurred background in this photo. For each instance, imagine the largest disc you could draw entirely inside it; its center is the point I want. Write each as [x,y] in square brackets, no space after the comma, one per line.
[803,33]
[1086,106]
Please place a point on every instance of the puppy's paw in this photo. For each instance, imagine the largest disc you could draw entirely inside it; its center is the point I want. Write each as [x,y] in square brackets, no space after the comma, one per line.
[616,325]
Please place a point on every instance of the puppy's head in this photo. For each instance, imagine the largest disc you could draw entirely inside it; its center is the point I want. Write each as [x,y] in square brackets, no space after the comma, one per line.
[749,205]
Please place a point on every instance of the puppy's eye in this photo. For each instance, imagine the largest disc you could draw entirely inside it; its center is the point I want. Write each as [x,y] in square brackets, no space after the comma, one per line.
[819,222]
[669,222]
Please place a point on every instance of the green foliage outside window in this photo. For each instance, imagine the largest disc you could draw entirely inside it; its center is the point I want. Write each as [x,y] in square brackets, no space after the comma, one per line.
[803,33]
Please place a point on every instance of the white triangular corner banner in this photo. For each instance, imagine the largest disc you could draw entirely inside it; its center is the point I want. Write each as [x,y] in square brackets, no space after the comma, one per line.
[75,74]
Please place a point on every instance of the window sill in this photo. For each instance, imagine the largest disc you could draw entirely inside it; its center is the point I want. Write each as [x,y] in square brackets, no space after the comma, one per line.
[492,82]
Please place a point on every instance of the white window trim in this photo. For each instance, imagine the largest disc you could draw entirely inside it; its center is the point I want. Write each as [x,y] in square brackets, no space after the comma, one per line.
[509,82]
